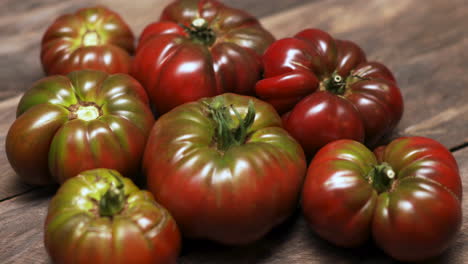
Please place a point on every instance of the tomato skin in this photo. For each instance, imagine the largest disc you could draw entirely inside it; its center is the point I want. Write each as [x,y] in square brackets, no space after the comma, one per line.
[329,115]
[75,232]
[176,68]
[232,197]
[47,143]
[67,46]
[414,219]
[298,69]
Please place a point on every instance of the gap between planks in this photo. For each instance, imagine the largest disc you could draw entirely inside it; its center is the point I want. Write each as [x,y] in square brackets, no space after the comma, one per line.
[34,188]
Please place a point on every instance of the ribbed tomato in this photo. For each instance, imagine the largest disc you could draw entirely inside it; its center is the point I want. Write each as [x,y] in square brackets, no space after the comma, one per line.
[100,217]
[200,48]
[328,90]
[68,124]
[225,168]
[92,38]
[407,196]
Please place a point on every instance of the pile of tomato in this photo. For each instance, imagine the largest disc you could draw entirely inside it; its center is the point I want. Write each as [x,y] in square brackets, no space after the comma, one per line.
[239,115]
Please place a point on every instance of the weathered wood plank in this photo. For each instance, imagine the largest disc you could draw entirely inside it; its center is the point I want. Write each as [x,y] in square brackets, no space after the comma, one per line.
[22,222]
[22,219]
[422,43]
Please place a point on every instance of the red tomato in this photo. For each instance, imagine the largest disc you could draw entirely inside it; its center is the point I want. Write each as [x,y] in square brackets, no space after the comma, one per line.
[100,217]
[92,38]
[199,49]
[225,168]
[406,196]
[328,90]
[87,119]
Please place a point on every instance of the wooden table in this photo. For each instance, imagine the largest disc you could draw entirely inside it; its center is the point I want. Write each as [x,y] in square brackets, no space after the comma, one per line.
[425,43]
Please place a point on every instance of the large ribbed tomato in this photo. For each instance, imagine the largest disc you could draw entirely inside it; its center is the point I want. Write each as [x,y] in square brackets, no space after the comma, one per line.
[224,167]
[328,90]
[92,38]
[407,196]
[100,217]
[88,119]
[200,48]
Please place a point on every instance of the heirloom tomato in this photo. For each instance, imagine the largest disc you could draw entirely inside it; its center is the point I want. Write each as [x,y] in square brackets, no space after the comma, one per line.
[92,38]
[406,196]
[200,48]
[328,90]
[224,167]
[68,124]
[101,217]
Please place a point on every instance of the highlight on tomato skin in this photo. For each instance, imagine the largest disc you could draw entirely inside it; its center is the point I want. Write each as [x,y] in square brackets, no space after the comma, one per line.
[84,120]
[199,48]
[327,88]
[95,38]
[100,217]
[225,168]
[406,196]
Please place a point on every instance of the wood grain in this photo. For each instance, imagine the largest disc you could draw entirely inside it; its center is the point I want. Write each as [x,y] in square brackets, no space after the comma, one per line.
[22,221]
[21,230]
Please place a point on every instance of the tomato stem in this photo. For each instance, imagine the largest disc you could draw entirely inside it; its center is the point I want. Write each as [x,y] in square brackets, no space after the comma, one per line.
[91,38]
[225,135]
[336,84]
[200,32]
[381,177]
[86,111]
[112,202]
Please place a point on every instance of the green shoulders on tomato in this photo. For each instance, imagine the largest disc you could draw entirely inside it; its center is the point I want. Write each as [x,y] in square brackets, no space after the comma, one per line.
[92,38]
[101,217]
[68,124]
[327,90]
[225,168]
[406,196]
[199,48]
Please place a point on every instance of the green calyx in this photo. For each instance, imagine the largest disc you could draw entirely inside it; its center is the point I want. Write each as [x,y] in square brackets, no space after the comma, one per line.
[226,136]
[381,177]
[113,201]
[336,84]
[200,32]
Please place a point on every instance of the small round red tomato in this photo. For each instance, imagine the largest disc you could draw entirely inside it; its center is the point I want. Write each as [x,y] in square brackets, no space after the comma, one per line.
[68,124]
[92,38]
[225,168]
[101,217]
[406,196]
[199,49]
[328,90]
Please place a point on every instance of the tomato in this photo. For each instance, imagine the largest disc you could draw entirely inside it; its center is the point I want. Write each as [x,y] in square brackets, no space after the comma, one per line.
[101,217]
[199,49]
[92,38]
[407,196]
[68,124]
[328,90]
[224,167]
